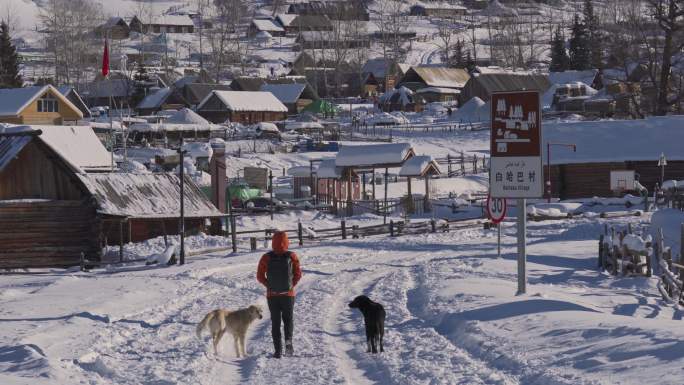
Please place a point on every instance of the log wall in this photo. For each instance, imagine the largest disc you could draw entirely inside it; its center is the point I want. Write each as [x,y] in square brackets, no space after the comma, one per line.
[47,233]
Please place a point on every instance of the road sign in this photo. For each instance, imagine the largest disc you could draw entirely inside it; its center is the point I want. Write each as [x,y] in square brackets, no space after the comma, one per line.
[516,157]
[496,209]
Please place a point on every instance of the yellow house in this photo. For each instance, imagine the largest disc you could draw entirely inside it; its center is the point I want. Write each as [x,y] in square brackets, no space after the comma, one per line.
[37,105]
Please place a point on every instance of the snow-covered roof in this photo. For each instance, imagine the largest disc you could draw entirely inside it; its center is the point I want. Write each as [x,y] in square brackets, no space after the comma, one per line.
[304,126]
[267,25]
[78,146]
[419,166]
[15,100]
[247,101]
[442,76]
[617,140]
[286,93]
[300,171]
[439,90]
[401,95]
[495,8]
[175,20]
[474,110]
[155,195]
[286,18]
[174,127]
[328,169]
[155,99]
[586,77]
[373,155]
[186,116]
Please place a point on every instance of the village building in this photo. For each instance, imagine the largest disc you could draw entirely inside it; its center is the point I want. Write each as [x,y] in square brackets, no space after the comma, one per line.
[612,145]
[56,182]
[443,81]
[37,105]
[272,27]
[438,10]
[591,77]
[115,28]
[401,99]
[485,84]
[295,96]
[75,98]
[329,40]
[334,10]
[163,24]
[294,24]
[381,75]
[246,107]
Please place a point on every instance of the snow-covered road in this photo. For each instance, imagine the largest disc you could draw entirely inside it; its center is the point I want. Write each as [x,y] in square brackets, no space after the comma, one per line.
[452,318]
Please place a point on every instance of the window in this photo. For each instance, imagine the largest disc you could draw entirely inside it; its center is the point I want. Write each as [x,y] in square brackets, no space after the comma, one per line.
[48,104]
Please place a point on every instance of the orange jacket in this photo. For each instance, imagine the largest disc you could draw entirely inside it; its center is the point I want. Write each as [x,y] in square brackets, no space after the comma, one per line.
[280,243]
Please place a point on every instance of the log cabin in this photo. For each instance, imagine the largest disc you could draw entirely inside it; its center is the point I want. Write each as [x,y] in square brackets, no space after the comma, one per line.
[242,107]
[37,105]
[59,199]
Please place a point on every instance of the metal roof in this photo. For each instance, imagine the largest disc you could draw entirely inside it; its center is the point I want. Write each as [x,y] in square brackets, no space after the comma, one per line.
[147,195]
[513,82]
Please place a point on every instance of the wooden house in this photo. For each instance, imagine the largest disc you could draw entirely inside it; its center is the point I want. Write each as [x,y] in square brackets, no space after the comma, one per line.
[37,105]
[246,107]
[612,145]
[334,10]
[295,96]
[381,75]
[333,184]
[438,10]
[329,40]
[59,201]
[441,77]
[485,84]
[294,24]
[75,98]
[114,28]
[163,24]
[265,25]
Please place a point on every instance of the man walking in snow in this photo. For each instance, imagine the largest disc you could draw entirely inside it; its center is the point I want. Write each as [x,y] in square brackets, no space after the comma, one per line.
[279,271]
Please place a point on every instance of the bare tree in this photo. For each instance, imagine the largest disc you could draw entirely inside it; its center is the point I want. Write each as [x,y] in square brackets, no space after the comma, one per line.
[669,16]
[391,21]
[69,25]
[226,38]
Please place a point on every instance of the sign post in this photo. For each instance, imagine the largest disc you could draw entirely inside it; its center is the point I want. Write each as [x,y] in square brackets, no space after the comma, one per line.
[496,210]
[516,158]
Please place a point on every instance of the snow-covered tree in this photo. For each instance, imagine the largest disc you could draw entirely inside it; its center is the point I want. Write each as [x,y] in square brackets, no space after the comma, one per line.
[9,63]
[560,61]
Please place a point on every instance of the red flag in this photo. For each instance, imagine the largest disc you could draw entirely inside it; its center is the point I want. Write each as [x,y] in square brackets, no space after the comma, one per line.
[105,60]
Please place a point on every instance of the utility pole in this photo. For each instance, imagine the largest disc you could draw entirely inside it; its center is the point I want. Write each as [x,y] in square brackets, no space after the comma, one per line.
[181,154]
[270,183]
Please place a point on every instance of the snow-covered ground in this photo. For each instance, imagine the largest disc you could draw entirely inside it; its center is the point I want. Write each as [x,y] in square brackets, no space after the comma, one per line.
[453,317]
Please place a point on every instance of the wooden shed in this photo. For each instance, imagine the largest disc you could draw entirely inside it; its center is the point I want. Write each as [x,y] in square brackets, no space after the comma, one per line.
[485,84]
[59,199]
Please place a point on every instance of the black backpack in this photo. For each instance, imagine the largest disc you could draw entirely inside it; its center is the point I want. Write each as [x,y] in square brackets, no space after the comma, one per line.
[279,272]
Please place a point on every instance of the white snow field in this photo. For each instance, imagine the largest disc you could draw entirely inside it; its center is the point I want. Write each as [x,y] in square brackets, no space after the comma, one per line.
[453,317]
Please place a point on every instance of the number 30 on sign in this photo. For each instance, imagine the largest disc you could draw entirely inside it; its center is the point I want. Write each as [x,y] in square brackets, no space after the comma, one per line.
[496,209]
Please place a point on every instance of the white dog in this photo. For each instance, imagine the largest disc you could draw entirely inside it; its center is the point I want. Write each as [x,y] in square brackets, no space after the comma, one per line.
[235,322]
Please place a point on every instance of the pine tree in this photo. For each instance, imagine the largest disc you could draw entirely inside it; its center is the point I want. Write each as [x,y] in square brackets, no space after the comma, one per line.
[594,37]
[580,54]
[9,64]
[560,61]
[458,59]
[141,78]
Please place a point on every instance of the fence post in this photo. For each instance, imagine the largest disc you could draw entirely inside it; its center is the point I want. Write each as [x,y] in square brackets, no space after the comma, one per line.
[355,231]
[600,256]
[343,225]
[449,165]
[475,164]
[82,260]
[233,235]
[391,228]
[629,228]
[252,243]
[299,233]
[433,226]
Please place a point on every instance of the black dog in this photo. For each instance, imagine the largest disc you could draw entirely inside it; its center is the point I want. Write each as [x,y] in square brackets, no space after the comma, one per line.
[374,318]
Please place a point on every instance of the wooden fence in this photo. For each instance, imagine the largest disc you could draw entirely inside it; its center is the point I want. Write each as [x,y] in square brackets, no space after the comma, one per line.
[459,165]
[616,256]
[671,273]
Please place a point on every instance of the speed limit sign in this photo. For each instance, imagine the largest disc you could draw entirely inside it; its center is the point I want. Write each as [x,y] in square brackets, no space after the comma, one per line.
[496,209]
